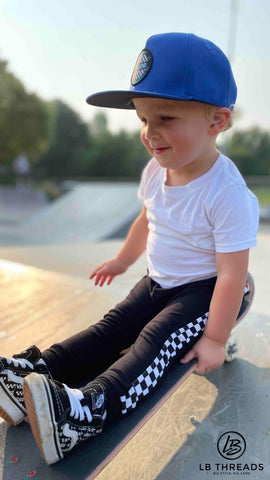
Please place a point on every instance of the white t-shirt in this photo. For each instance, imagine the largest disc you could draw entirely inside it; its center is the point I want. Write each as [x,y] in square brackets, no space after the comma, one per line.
[189,224]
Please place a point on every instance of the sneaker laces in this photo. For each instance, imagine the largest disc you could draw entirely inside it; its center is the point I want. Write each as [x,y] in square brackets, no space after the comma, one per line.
[77,410]
[19,362]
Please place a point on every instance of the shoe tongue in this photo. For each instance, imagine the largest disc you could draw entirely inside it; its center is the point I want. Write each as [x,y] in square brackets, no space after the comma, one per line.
[86,402]
[32,354]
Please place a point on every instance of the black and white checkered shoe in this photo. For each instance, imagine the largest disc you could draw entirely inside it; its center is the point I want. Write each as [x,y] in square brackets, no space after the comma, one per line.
[61,417]
[12,372]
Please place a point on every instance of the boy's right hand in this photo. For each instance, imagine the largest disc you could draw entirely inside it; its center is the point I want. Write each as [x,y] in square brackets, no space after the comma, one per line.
[109,269]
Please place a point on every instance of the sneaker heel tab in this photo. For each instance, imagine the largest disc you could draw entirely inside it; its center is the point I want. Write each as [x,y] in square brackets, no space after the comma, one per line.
[95,395]
[33,354]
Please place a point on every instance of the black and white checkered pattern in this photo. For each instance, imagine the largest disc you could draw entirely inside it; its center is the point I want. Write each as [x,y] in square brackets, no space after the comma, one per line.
[12,372]
[143,385]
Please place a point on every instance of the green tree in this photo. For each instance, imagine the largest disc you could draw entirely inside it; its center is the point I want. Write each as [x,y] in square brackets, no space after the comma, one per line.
[99,125]
[68,139]
[250,150]
[23,126]
[119,155]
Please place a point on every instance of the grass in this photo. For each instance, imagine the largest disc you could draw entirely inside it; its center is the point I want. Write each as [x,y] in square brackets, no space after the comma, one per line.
[263,195]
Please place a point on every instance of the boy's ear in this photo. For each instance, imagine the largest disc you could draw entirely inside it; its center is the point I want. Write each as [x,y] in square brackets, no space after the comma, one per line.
[219,119]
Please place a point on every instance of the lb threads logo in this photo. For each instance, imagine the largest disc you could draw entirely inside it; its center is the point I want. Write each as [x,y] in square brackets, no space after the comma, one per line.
[231,446]
[142,67]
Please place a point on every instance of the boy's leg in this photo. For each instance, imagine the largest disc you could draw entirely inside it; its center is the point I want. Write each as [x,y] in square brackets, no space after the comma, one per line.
[167,337]
[85,355]
[78,358]
[61,417]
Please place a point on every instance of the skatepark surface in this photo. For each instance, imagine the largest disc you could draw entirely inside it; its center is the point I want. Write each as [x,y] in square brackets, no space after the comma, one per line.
[88,212]
[46,295]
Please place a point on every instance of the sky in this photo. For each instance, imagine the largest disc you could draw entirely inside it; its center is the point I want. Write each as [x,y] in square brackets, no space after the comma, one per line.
[70,49]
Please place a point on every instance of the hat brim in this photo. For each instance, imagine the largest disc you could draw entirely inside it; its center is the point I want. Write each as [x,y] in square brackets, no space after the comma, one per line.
[123,98]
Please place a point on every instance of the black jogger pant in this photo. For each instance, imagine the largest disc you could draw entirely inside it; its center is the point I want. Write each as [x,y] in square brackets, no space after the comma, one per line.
[159,324]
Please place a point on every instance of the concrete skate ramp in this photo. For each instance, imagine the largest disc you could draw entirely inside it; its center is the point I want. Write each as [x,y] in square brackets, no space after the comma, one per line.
[44,307]
[90,212]
[17,204]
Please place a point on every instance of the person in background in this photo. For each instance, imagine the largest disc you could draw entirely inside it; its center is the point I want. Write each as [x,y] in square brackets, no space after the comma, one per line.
[22,171]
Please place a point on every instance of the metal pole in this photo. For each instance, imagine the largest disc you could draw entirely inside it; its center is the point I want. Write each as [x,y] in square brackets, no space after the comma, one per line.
[232,29]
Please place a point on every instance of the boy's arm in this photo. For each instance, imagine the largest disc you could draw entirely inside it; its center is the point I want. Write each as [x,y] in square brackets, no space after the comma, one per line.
[228,294]
[224,308]
[133,247]
[135,243]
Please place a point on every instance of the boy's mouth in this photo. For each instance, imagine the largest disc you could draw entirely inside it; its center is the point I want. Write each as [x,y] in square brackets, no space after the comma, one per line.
[158,151]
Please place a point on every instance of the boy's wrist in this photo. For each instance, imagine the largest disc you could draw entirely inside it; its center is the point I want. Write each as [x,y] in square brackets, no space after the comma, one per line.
[214,340]
[123,261]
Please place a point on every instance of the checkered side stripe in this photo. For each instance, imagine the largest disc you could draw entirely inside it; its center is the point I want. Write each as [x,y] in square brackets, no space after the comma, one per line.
[149,378]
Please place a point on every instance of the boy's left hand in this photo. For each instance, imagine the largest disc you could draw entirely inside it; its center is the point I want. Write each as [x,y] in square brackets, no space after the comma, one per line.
[210,355]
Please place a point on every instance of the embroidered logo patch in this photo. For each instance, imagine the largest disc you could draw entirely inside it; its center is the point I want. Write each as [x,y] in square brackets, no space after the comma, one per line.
[142,67]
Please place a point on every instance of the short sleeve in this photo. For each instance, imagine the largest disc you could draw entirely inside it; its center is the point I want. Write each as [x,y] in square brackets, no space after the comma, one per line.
[142,186]
[140,192]
[235,219]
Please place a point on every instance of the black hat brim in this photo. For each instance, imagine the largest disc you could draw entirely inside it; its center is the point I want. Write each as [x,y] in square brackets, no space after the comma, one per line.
[122,98]
[112,99]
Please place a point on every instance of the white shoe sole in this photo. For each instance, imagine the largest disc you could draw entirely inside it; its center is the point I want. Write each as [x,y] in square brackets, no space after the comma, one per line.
[10,411]
[39,407]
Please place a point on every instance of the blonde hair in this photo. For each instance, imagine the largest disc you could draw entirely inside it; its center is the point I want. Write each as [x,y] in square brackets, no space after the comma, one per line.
[210,111]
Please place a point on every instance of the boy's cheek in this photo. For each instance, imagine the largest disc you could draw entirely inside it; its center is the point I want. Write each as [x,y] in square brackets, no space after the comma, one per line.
[143,140]
[145,143]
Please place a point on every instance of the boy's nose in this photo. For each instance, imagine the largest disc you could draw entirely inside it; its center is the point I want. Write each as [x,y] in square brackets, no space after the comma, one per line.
[151,131]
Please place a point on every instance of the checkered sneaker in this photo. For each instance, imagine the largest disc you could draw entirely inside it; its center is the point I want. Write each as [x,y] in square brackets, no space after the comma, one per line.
[61,417]
[12,372]
[143,385]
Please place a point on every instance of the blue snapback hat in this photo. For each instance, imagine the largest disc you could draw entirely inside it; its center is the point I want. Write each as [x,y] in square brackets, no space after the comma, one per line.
[176,66]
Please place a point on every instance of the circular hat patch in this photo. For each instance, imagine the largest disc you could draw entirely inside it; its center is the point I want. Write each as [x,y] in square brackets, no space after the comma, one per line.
[142,67]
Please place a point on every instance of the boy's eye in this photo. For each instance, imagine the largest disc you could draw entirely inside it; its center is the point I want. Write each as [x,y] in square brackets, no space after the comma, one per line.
[142,119]
[166,119]
[162,118]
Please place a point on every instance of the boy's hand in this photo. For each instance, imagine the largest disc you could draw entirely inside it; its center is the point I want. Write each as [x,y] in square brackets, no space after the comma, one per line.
[210,355]
[108,269]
